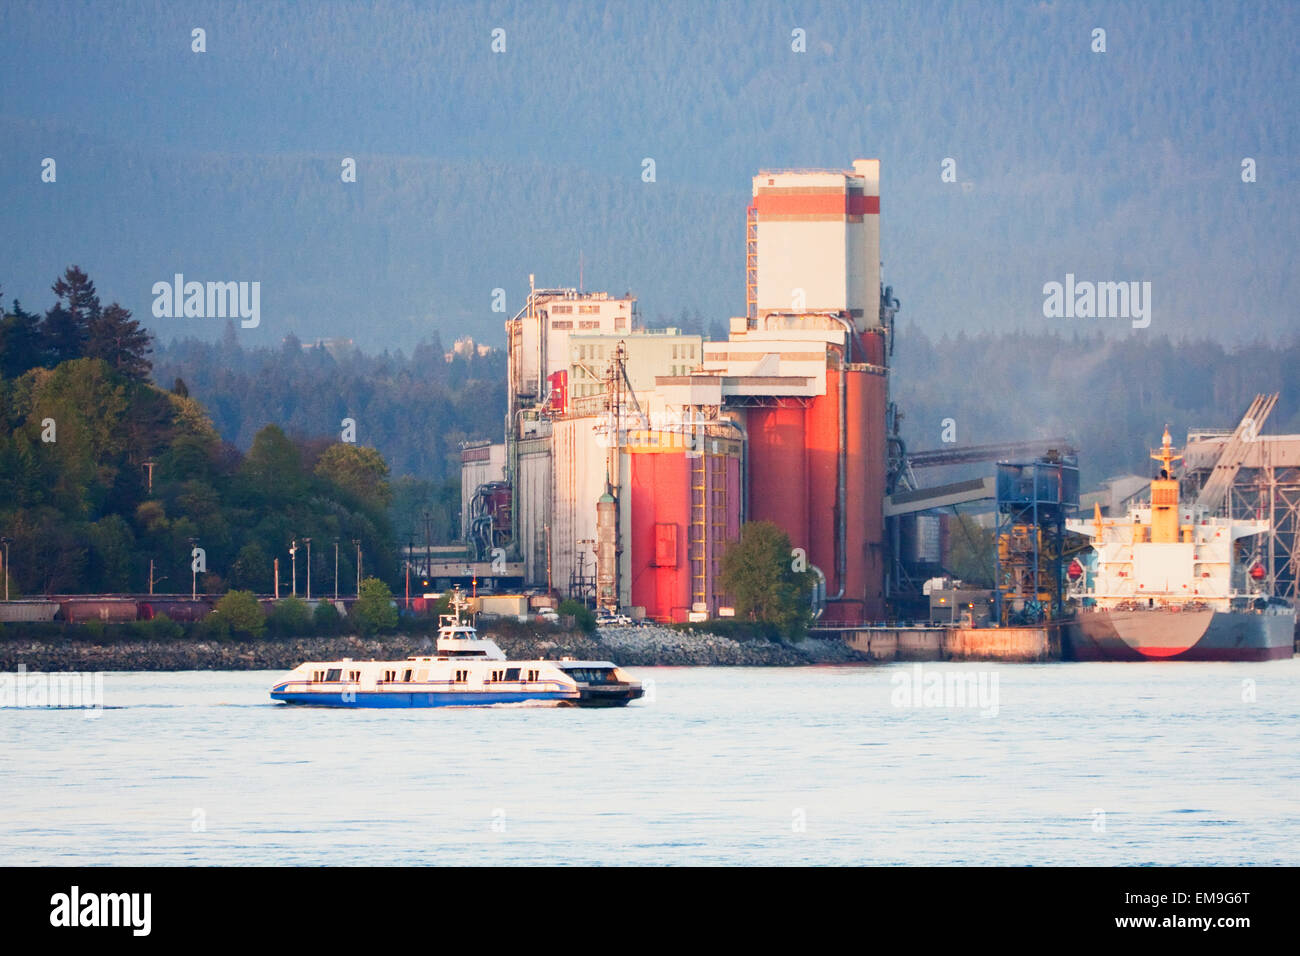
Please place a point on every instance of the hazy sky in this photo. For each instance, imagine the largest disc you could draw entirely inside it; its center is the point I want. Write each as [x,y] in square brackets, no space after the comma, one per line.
[475,167]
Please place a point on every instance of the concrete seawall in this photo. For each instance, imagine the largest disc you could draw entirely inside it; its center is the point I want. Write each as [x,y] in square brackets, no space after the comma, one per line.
[1026,644]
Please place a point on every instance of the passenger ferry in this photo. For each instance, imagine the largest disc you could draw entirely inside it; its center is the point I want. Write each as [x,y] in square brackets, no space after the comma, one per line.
[467,670]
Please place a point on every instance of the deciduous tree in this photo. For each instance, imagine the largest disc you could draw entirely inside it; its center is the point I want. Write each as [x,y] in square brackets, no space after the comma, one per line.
[758,573]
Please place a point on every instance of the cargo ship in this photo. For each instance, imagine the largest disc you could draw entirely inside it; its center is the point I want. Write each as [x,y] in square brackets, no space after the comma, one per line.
[1170,582]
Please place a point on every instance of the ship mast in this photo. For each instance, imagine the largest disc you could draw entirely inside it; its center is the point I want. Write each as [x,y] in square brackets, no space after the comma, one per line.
[1164,496]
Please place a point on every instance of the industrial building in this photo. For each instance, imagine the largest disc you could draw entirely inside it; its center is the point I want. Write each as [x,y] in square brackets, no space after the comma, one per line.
[632,456]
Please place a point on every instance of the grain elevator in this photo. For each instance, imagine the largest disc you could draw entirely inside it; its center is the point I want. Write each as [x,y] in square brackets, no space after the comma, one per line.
[635,455]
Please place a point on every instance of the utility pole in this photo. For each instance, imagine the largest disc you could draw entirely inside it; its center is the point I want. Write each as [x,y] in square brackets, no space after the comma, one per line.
[277,579]
[6,542]
[194,573]
[308,541]
[357,542]
[336,570]
[547,529]
[428,542]
[293,556]
[151,577]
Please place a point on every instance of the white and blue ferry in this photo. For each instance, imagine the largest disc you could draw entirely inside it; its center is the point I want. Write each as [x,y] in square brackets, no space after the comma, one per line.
[466,670]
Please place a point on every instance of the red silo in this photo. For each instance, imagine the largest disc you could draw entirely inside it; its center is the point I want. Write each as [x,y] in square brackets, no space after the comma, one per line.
[660,514]
[684,512]
[778,470]
[799,488]
[864,557]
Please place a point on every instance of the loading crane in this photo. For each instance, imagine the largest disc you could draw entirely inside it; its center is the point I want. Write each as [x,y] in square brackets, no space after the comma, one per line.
[1225,469]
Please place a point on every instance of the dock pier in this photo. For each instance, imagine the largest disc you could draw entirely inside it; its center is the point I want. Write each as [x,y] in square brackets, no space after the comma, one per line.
[926,643]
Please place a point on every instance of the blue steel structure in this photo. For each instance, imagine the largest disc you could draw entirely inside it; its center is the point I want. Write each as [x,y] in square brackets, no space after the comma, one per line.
[1033,500]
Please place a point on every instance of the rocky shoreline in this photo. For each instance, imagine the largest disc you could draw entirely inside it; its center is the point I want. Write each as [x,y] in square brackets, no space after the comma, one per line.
[631,647]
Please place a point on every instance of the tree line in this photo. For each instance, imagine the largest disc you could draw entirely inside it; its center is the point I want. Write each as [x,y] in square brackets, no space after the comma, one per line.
[415,408]
[1111,397]
[109,483]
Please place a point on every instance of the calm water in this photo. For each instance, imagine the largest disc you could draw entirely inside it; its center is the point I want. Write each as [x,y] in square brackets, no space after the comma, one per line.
[723,765]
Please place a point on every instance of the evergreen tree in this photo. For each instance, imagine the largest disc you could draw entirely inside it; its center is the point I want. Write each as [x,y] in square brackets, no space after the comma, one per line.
[118,339]
[68,322]
[21,346]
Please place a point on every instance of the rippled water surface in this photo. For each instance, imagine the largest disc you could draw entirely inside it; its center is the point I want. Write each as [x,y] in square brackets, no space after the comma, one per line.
[1082,763]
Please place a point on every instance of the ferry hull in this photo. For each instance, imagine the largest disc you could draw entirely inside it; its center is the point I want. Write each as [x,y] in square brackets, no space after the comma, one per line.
[1203,635]
[399,699]
[607,695]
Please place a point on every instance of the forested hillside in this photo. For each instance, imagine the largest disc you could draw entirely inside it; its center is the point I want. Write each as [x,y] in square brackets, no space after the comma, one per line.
[415,408]
[1111,397]
[475,169]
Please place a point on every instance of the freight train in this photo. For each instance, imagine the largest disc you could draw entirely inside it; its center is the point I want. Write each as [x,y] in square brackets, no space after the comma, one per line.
[78,609]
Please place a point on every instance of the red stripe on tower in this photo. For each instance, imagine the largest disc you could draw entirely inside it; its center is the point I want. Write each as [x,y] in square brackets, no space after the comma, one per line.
[816,204]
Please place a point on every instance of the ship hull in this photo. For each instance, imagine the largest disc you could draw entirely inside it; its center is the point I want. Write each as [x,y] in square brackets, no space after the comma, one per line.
[1162,635]
[391,699]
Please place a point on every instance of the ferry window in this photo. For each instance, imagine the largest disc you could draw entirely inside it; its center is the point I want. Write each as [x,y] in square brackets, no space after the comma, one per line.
[590,675]
[390,675]
[512,673]
[406,675]
[354,675]
[334,674]
[462,676]
[532,675]
[317,675]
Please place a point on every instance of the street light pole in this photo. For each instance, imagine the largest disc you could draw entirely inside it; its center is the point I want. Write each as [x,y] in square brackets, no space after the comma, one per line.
[293,554]
[194,573]
[357,542]
[336,570]
[308,542]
